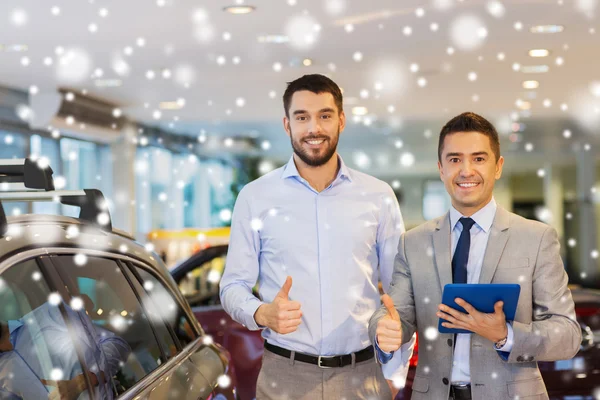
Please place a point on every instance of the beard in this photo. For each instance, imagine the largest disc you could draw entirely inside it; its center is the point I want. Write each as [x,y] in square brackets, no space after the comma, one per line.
[315,158]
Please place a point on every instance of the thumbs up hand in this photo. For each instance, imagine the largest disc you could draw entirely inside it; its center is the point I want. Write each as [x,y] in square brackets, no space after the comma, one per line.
[389,329]
[282,315]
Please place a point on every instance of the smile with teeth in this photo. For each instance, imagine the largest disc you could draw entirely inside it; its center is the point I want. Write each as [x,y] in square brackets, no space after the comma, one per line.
[315,142]
[468,184]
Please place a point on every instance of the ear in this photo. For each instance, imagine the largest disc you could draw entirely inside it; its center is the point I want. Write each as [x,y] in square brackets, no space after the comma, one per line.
[286,126]
[499,165]
[342,121]
[440,169]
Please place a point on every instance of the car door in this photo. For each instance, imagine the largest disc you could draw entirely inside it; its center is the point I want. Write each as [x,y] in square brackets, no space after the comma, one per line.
[198,280]
[158,365]
[203,357]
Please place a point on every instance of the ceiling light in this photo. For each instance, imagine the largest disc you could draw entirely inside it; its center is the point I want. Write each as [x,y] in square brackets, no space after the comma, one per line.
[539,53]
[523,105]
[547,29]
[239,9]
[108,82]
[535,69]
[359,111]
[307,62]
[16,48]
[273,39]
[170,105]
[531,84]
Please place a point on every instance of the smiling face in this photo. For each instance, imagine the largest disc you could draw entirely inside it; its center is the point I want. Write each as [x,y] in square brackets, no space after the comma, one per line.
[314,126]
[469,170]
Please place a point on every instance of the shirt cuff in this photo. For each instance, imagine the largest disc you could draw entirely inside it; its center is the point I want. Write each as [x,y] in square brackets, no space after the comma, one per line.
[383,356]
[505,350]
[248,311]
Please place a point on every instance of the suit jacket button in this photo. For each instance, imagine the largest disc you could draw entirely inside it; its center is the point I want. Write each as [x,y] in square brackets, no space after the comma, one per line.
[520,358]
[445,381]
[450,342]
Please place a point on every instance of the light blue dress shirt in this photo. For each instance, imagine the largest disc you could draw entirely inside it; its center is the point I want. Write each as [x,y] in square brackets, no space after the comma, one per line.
[480,232]
[41,342]
[335,244]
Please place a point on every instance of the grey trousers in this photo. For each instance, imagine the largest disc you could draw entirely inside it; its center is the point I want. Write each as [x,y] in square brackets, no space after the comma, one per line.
[283,378]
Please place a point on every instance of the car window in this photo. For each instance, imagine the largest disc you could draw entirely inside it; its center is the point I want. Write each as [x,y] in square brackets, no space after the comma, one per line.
[152,306]
[37,352]
[200,286]
[168,308]
[130,346]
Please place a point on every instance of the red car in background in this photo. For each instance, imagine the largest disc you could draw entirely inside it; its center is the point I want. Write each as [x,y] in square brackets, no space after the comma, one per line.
[198,279]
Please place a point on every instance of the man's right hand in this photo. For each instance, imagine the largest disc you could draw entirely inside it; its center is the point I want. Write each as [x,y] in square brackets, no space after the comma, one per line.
[282,315]
[389,329]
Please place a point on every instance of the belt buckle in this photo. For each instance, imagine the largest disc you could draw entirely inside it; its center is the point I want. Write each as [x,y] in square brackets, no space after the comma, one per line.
[319,362]
[461,384]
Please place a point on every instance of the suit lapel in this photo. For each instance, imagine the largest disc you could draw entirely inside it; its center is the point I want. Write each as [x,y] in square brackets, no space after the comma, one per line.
[441,244]
[495,245]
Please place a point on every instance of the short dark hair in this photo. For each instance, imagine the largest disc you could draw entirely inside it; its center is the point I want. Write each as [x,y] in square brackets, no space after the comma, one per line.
[470,122]
[315,83]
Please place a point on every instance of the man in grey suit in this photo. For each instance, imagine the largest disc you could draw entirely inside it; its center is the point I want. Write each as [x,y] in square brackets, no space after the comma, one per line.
[477,242]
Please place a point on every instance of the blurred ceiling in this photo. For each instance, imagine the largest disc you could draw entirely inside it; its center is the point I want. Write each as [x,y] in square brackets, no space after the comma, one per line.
[411,64]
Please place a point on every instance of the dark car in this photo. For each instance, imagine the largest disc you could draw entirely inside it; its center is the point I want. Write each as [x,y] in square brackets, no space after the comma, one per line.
[198,279]
[88,312]
[579,378]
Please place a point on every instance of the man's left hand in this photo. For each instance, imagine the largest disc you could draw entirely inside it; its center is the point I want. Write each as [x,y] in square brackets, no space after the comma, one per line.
[491,326]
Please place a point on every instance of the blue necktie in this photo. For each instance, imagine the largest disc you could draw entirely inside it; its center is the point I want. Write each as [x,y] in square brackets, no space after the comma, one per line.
[461,254]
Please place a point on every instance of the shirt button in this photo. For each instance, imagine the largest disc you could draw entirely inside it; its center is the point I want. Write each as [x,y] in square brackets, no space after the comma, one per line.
[445,381]
[450,342]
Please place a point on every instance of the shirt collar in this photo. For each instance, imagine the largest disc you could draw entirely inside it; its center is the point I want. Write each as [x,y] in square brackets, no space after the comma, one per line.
[483,218]
[290,170]
[14,325]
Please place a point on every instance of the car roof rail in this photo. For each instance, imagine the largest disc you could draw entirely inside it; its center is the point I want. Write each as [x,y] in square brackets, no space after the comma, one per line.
[33,174]
[92,204]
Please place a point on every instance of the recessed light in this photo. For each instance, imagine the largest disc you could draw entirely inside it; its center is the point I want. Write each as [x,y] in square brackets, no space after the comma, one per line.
[523,105]
[539,53]
[535,69]
[273,39]
[531,84]
[16,48]
[239,9]
[108,82]
[170,105]
[307,62]
[360,111]
[547,29]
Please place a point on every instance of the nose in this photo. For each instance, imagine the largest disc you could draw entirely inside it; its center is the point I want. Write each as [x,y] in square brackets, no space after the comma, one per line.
[466,169]
[314,126]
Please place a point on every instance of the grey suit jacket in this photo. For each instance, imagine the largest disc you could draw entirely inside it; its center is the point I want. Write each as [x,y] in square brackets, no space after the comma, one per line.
[545,329]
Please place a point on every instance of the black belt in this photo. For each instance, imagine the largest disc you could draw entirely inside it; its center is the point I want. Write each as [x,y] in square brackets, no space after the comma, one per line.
[324,361]
[460,392]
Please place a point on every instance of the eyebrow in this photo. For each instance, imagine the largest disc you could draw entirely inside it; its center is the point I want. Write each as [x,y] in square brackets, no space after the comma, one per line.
[477,153]
[321,111]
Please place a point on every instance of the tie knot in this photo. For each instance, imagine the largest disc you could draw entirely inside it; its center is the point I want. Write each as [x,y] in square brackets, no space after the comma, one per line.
[467,223]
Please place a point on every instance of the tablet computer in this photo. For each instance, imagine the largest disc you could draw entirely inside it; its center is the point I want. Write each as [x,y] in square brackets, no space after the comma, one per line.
[482,297]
